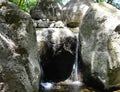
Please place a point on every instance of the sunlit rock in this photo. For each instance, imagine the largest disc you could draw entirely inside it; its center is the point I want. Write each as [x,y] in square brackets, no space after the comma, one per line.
[58,24]
[75,30]
[100,41]
[57,52]
[74,11]
[19,67]
[41,23]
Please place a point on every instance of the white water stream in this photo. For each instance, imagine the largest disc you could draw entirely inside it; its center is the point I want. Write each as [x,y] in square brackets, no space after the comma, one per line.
[75,75]
[76,63]
[74,78]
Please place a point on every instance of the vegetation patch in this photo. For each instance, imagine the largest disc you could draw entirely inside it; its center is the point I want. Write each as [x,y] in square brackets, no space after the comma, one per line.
[25,5]
[114,76]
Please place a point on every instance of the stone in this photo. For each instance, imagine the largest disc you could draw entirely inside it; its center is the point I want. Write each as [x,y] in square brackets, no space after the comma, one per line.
[19,65]
[100,46]
[57,52]
[74,11]
[47,9]
[41,23]
[58,24]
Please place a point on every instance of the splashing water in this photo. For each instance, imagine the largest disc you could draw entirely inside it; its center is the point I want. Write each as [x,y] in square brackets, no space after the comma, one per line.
[47,85]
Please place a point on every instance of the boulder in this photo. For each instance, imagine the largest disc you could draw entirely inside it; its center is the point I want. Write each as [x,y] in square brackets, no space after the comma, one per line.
[47,9]
[41,23]
[57,52]
[74,11]
[100,41]
[58,24]
[19,66]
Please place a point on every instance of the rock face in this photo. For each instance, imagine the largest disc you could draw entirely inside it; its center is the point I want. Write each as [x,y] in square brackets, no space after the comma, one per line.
[100,40]
[57,52]
[47,9]
[41,23]
[19,67]
[74,11]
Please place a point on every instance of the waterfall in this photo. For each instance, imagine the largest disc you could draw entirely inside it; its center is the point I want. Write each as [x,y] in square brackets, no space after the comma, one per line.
[75,66]
[75,75]
[73,82]
[76,62]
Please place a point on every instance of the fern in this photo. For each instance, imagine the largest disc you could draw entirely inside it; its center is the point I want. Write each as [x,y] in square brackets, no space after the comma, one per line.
[25,5]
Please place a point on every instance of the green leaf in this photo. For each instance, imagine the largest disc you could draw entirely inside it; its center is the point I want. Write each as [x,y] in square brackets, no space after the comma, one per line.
[99,1]
[26,5]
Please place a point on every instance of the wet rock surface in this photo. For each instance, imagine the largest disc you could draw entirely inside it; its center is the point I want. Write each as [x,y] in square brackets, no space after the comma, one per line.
[66,87]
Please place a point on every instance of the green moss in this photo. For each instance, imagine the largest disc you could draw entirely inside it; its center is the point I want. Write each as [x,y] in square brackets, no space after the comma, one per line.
[22,51]
[73,24]
[25,5]
[99,1]
[114,76]
[86,31]
[12,17]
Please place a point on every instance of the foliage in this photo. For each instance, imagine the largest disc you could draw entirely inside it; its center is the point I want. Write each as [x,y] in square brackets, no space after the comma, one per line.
[99,1]
[112,2]
[116,5]
[25,5]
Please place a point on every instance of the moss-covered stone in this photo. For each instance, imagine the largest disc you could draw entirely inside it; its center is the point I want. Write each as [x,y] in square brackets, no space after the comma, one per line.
[114,76]
[73,24]
[13,17]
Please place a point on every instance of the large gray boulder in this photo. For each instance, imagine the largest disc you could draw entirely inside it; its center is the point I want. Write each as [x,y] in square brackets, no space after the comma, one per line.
[100,41]
[74,11]
[19,66]
[57,52]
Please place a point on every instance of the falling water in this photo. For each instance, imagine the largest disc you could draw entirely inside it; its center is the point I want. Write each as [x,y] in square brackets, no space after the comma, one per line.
[76,62]
[75,75]
[72,84]
[75,67]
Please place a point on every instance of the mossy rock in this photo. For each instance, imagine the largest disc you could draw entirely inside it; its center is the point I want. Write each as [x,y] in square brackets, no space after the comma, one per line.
[73,24]
[13,17]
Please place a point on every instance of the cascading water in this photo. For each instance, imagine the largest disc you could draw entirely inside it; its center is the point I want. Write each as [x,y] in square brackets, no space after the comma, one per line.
[73,83]
[76,62]
[75,75]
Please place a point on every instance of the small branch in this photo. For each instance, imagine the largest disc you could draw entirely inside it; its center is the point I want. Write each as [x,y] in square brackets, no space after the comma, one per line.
[19,3]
